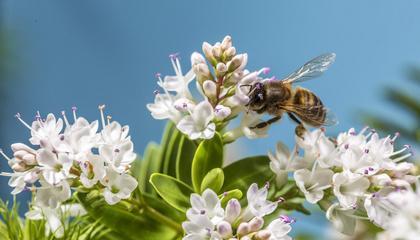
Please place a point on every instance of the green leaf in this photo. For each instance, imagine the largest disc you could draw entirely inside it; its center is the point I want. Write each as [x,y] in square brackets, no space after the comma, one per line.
[242,173]
[164,143]
[209,155]
[186,151]
[174,192]
[226,196]
[127,224]
[171,153]
[150,164]
[213,180]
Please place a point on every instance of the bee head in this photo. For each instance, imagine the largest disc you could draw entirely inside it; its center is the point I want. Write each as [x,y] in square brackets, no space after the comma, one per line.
[256,96]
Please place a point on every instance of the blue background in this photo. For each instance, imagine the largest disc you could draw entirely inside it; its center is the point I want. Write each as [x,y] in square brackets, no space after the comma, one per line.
[84,53]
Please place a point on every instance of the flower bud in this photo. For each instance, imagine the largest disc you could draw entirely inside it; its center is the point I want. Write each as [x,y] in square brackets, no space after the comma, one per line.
[24,154]
[184,105]
[224,229]
[202,69]
[209,88]
[233,209]
[256,224]
[230,52]
[222,112]
[207,50]
[263,235]
[226,43]
[235,63]
[19,167]
[217,51]
[243,229]
[197,58]
[221,67]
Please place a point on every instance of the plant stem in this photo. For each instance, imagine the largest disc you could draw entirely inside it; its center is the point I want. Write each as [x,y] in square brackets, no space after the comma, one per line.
[162,218]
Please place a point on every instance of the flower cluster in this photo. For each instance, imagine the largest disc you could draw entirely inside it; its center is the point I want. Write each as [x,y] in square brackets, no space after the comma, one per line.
[220,79]
[207,219]
[353,176]
[72,155]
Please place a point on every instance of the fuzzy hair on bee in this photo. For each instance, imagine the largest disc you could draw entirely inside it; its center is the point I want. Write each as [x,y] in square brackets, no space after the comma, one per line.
[276,97]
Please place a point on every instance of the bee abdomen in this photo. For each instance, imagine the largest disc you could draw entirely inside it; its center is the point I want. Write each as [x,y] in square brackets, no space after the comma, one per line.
[309,107]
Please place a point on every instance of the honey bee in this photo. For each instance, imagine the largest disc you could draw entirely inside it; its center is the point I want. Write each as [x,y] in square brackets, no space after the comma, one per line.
[276,97]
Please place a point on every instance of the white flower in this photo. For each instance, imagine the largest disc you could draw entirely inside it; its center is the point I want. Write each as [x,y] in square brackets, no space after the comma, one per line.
[198,124]
[221,112]
[378,208]
[78,138]
[52,195]
[245,128]
[114,134]
[45,132]
[179,82]
[341,218]
[313,183]
[20,180]
[358,161]
[405,223]
[117,186]
[208,204]
[93,170]
[54,217]
[283,162]
[55,167]
[279,229]
[233,210]
[258,205]
[119,157]
[163,107]
[200,228]
[351,138]
[349,187]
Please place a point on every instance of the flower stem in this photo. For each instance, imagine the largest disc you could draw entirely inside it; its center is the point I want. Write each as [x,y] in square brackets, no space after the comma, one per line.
[162,218]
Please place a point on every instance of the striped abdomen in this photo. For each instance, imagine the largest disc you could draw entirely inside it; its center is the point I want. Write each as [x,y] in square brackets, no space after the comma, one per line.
[308,107]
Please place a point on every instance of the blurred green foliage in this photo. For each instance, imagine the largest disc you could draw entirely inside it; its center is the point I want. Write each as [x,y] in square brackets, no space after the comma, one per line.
[406,102]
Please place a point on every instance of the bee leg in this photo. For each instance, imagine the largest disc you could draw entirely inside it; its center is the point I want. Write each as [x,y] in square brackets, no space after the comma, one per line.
[294,118]
[266,123]
[300,129]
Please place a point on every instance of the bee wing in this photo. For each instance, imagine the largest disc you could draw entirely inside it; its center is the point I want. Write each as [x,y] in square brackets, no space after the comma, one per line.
[311,113]
[311,69]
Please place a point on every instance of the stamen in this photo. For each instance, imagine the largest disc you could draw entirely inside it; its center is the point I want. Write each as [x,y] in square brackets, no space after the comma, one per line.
[402,158]
[108,118]
[63,113]
[18,116]
[74,109]
[37,116]
[265,70]
[287,219]
[175,62]
[4,155]
[280,200]
[158,75]
[365,129]
[101,110]
[156,92]
[399,151]
[397,134]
